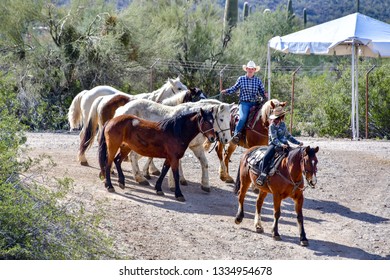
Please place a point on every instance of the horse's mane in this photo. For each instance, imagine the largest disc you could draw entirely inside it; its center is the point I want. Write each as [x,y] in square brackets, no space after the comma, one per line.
[266,108]
[293,153]
[177,98]
[175,124]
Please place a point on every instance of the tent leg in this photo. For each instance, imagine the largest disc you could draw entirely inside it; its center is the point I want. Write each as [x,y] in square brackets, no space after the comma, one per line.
[269,71]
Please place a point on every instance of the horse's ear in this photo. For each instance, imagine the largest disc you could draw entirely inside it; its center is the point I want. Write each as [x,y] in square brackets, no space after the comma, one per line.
[307,150]
[316,149]
[272,104]
[282,104]
[172,82]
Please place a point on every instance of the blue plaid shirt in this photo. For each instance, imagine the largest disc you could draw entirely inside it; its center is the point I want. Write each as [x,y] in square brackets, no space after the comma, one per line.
[279,135]
[250,89]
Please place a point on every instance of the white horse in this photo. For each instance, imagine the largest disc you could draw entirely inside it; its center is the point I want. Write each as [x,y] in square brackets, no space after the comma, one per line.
[156,112]
[104,107]
[82,102]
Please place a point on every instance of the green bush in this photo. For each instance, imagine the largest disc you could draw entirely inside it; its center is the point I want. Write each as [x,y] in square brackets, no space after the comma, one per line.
[33,222]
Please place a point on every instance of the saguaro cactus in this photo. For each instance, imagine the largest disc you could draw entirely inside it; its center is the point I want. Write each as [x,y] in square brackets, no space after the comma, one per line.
[245,10]
[304,18]
[231,14]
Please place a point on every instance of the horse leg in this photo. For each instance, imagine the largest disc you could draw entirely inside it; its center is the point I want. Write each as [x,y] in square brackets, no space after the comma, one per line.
[124,151]
[152,168]
[244,186]
[164,171]
[259,205]
[200,154]
[298,209]
[226,159]
[275,230]
[145,170]
[138,177]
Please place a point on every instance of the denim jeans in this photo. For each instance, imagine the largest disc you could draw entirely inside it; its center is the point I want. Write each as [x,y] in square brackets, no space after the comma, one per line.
[243,112]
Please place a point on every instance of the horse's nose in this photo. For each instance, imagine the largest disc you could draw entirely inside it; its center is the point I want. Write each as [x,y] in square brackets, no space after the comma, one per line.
[212,139]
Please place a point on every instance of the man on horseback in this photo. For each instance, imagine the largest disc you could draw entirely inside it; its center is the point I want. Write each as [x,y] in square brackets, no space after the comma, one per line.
[278,137]
[251,90]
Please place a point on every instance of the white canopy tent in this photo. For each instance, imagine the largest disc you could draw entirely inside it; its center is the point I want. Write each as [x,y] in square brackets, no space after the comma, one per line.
[355,35]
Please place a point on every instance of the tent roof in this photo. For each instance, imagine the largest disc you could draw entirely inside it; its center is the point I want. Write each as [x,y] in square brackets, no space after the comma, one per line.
[335,38]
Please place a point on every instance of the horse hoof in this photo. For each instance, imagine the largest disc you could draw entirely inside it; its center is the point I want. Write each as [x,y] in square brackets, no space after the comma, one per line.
[160,193]
[121,185]
[84,163]
[205,189]
[229,180]
[144,183]
[156,173]
[277,237]
[183,182]
[238,221]
[181,198]
[147,176]
[259,230]
[111,189]
[304,243]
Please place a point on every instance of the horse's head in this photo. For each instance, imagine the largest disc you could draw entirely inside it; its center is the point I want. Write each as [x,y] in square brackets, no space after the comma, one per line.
[222,122]
[194,94]
[269,106]
[309,165]
[206,124]
[176,85]
[170,88]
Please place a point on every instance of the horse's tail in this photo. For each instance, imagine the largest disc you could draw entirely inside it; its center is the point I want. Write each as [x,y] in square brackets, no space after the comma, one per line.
[238,181]
[90,130]
[102,152]
[74,113]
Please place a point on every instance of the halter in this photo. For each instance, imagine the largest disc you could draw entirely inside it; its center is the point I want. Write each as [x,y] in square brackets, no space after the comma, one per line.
[219,127]
[200,121]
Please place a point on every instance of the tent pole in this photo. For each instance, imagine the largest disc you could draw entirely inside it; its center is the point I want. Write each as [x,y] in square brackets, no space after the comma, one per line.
[357,90]
[269,71]
[368,72]
[353,90]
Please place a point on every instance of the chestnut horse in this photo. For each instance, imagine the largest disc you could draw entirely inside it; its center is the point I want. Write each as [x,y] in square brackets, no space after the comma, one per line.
[256,134]
[287,181]
[167,139]
[104,107]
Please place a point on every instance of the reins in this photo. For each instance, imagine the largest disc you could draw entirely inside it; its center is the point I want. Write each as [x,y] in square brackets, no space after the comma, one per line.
[290,180]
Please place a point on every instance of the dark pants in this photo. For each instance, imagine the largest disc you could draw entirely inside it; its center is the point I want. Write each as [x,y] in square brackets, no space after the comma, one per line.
[269,154]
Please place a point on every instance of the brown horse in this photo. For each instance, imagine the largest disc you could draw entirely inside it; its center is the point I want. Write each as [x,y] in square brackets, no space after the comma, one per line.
[167,139]
[104,107]
[287,181]
[256,134]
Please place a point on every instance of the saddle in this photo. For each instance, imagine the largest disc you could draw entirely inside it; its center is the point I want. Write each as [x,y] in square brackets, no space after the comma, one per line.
[255,160]
[250,122]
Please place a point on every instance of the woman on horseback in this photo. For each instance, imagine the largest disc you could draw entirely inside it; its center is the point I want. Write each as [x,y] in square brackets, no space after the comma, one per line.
[278,136]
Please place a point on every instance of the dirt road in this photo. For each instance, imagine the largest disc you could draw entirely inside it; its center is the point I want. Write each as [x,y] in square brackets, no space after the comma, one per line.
[347,216]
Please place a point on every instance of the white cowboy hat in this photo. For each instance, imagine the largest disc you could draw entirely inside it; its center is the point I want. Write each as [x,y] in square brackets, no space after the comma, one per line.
[277,113]
[251,64]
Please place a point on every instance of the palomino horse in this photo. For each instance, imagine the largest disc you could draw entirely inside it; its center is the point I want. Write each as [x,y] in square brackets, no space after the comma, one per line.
[103,110]
[82,102]
[167,139]
[155,112]
[287,181]
[256,134]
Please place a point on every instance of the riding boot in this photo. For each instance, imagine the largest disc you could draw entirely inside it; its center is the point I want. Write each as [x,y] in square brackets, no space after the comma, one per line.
[236,138]
[261,179]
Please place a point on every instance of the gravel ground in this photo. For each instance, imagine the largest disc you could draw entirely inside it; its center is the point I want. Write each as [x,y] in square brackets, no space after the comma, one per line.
[347,216]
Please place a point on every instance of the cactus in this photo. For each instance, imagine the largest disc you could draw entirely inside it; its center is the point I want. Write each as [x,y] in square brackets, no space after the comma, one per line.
[231,14]
[304,18]
[290,11]
[357,6]
[245,10]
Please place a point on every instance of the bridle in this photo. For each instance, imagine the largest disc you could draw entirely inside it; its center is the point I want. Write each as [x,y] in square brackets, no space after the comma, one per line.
[304,173]
[200,122]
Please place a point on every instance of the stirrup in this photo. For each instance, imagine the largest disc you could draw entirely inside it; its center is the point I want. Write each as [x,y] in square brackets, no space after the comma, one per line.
[261,179]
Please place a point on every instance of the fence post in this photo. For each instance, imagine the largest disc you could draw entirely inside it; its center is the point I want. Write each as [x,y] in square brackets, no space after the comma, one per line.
[368,72]
[292,97]
[152,75]
[220,83]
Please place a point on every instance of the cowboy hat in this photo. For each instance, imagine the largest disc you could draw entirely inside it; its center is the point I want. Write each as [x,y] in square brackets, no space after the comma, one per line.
[277,113]
[251,64]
